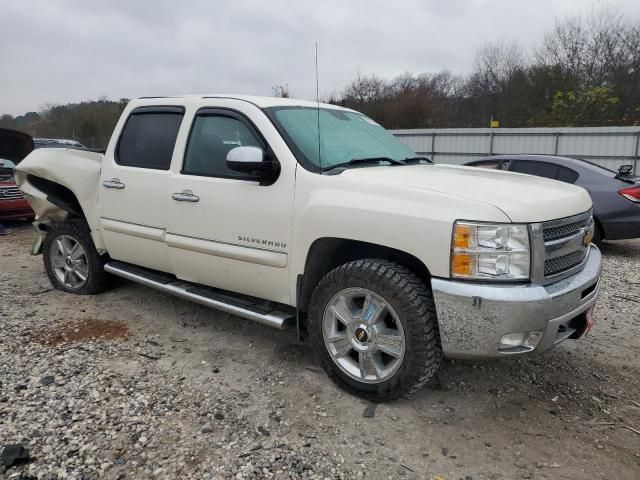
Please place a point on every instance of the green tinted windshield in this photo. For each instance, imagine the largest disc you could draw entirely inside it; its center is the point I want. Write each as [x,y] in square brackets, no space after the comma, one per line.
[344,136]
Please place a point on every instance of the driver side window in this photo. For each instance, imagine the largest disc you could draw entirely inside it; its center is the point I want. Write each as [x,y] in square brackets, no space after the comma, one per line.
[212,138]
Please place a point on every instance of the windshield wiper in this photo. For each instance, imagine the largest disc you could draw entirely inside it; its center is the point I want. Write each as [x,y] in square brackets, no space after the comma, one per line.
[418,159]
[360,161]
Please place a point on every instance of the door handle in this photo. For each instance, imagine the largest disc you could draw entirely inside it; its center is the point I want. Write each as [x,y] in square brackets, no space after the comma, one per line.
[113,183]
[185,196]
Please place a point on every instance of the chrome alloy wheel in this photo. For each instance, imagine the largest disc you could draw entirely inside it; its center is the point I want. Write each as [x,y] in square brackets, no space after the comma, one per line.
[363,335]
[69,262]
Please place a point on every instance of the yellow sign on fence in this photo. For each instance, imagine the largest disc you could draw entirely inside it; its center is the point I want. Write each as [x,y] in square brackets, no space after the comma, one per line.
[495,123]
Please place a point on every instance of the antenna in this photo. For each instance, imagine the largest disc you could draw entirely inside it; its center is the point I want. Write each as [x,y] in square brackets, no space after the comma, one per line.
[318,106]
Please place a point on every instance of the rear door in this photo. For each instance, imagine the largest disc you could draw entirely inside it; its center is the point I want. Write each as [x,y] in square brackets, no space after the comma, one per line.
[134,184]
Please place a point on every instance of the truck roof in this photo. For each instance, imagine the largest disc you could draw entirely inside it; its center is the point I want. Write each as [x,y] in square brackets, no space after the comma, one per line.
[261,102]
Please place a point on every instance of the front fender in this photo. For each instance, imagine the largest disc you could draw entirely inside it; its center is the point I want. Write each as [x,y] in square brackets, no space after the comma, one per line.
[417,222]
[76,170]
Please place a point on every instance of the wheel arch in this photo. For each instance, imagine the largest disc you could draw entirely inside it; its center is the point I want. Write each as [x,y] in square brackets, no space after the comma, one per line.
[327,253]
[58,195]
[55,203]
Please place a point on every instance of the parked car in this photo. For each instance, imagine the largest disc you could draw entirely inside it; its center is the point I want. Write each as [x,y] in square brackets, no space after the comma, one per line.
[383,264]
[56,143]
[14,146]
[615,195]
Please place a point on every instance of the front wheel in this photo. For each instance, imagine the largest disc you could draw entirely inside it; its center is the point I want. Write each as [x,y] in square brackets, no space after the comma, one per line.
[71,260]
[374,328]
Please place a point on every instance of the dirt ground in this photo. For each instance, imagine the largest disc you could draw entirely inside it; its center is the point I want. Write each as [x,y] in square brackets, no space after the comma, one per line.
[571,413]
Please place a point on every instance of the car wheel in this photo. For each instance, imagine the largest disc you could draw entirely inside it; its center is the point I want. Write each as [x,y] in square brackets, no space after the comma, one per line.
[598,235]
[70,258]
[373,326]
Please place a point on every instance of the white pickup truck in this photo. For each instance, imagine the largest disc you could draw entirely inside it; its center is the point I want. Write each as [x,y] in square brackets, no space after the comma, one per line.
[292,213]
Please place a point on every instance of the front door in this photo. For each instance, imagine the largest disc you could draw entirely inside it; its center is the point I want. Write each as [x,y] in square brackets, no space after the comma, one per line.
[225,229]
[134,183]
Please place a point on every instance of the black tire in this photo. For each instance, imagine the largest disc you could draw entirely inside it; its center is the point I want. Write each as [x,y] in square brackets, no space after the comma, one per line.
[412,302]
[97,279]
[598,235]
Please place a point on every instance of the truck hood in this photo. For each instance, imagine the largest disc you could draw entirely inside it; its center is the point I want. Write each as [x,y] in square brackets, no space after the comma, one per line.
[523,198]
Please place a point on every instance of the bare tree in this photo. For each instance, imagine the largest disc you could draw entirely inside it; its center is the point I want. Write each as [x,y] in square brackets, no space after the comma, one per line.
[586,48]
[282,91]
[496,64]
[364,89]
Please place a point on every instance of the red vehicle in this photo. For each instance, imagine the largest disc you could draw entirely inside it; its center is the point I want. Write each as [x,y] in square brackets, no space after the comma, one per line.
[14,146]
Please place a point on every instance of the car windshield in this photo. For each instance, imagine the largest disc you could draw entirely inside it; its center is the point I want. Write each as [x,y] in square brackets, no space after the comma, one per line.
[344,136]
[6,170]
[4,163]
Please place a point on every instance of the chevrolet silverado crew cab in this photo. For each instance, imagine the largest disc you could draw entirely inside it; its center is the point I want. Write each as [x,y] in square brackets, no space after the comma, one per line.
[311,215]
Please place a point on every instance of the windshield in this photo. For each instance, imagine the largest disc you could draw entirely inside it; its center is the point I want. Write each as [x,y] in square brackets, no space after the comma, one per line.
[4,163]
[6,170]
[344,136]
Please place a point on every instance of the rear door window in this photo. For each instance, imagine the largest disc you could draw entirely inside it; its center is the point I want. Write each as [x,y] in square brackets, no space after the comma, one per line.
[148,137]
[567,175]
[489,164]
[546,170]
[539,169]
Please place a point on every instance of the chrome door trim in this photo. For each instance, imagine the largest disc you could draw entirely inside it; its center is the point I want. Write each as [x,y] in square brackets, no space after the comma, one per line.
[134,229]
[231,251]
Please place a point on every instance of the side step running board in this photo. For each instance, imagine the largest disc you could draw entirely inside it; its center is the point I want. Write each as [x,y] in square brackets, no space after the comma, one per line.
[240,305]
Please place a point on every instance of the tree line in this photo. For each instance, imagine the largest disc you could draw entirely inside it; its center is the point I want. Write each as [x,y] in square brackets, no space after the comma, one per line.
[584,72]
[90,122]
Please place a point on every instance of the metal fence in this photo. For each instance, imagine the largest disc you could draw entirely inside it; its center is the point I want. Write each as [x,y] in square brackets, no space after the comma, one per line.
[607,146]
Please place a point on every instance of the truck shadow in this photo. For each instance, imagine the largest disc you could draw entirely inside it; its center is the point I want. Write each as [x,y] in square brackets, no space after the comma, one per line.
[620,248]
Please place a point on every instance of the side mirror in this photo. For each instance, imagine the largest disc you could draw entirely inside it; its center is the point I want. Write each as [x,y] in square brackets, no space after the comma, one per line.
[246,159]
[255,162]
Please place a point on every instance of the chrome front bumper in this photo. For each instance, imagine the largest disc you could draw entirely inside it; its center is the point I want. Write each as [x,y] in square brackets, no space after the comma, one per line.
[473,317]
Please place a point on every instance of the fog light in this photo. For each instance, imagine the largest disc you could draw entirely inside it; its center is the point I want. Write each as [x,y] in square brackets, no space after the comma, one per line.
[533,339]
[529,340]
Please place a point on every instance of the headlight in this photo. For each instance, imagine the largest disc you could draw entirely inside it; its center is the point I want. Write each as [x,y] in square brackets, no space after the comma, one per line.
[490,252]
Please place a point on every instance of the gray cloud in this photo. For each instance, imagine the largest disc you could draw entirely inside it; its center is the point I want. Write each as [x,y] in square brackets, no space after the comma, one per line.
[71,50]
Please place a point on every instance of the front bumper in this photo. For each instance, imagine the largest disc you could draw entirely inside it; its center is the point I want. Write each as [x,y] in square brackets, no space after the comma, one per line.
[15,209]
[473,317]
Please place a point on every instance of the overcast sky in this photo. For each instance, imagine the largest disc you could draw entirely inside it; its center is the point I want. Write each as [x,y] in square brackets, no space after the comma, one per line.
[72,50]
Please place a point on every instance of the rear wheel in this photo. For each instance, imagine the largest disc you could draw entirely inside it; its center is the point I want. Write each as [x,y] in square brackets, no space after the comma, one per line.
[72,263]
[374,328]
[597,233]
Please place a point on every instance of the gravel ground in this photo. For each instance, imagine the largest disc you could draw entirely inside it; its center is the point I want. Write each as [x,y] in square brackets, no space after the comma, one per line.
[136,384]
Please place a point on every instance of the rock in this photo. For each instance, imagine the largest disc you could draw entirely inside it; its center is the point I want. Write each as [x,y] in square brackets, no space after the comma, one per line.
[47,380]
[14,455]
[370,410]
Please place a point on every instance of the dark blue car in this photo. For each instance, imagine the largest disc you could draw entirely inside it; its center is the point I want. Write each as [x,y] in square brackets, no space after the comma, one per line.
[615,195]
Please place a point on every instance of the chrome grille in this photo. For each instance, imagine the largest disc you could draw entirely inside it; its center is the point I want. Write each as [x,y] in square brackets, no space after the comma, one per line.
[561,231]
[556,265]
[562,248]
[10,193]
